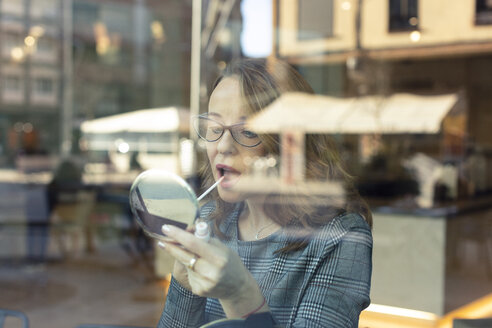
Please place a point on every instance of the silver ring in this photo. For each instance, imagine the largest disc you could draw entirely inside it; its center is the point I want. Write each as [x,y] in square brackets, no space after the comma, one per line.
[192,263]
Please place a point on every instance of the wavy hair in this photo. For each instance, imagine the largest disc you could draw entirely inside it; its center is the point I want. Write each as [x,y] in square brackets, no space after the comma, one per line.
[262,80]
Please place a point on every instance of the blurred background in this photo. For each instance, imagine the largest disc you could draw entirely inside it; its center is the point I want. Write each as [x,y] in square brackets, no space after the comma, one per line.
[93,92]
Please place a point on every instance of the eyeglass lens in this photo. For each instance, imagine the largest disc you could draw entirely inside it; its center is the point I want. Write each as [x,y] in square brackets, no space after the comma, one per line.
[211,130]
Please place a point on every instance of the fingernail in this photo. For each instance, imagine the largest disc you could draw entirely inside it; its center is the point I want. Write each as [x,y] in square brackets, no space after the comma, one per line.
[161,244]
[166,228]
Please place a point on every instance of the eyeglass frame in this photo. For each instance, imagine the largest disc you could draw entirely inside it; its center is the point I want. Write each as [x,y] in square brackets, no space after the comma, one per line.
[224,128]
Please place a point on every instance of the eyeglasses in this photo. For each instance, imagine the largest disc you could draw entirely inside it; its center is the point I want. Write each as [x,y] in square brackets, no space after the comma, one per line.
[211,130]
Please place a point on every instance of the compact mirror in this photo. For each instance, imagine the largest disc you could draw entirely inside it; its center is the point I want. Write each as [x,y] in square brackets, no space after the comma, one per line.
[160,197]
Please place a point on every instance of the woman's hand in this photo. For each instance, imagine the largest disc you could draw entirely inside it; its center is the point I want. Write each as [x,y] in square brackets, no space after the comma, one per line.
[218,272]
[180,272]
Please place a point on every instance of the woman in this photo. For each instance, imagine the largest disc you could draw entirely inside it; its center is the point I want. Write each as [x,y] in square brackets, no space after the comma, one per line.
[295,261]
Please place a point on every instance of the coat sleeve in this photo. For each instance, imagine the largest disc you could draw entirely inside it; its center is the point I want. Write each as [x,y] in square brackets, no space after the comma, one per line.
[338,290]
[182,309]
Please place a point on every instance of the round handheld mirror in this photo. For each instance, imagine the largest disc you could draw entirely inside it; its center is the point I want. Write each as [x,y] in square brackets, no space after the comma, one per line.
[160,197]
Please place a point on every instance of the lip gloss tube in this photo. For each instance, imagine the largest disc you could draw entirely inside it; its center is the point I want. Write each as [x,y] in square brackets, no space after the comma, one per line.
[202,230]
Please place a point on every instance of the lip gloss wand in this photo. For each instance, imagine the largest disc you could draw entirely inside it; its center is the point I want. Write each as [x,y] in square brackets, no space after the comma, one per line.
[210,189]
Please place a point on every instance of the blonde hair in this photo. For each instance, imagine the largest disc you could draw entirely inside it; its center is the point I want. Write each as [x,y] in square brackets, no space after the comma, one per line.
[261,82]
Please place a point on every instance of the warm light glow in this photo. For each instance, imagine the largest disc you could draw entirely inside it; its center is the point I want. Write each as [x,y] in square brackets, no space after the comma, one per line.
[158,32]
[221,65]
[225,36]
[102,39]
[481,308]
[402,312]
[346,5]
[102,45]
[29,41]
[36,31]
[17,53]
[415,36]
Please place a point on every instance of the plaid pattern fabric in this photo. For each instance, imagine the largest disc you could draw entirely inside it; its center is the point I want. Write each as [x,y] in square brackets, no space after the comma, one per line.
[326,284]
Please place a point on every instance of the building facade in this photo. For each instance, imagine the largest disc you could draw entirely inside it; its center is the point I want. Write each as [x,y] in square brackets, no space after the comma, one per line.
[124,55]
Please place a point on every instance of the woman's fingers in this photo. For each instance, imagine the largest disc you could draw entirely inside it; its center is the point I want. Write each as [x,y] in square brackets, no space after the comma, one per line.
[182,256]
[217,271]
[190,242]
[191,261]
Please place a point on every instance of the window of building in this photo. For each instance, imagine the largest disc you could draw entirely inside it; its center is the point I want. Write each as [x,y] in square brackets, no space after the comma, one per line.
[14,7]
[11,41]
[403,15]
[85,14]
[45,9]
[315,19]
[108,104]
[44,86]
[483,11]
[12,83]
[45,45]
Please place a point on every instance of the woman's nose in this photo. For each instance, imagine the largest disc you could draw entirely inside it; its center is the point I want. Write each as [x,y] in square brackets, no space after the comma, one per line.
[226,143]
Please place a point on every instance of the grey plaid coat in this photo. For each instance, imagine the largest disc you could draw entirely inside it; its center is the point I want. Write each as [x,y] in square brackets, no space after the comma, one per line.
[326,284]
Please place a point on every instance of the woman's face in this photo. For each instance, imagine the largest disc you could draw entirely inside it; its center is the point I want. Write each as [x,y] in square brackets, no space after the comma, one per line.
[226,155]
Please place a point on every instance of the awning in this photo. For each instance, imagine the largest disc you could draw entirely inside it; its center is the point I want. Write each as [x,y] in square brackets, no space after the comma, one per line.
[395,114]
[141,121]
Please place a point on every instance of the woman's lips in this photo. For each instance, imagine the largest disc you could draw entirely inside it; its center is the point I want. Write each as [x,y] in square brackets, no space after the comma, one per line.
[231,175]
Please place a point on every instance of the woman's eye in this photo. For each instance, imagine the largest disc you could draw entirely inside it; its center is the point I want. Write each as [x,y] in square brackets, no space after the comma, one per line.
[249,134]
[215,129]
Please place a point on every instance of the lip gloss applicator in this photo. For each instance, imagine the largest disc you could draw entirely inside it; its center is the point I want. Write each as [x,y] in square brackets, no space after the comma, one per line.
[210,189]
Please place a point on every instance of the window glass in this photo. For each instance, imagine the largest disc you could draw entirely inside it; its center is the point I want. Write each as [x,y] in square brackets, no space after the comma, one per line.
[339,151]
[403,15]
[44,85]
[315,19]
[45,45]
[12,83]
[484,12]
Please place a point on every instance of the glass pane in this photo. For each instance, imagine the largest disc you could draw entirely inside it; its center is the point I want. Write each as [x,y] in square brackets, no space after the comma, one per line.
[345,179]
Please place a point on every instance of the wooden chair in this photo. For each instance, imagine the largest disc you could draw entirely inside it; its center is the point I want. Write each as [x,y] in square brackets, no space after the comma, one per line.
[5,313]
